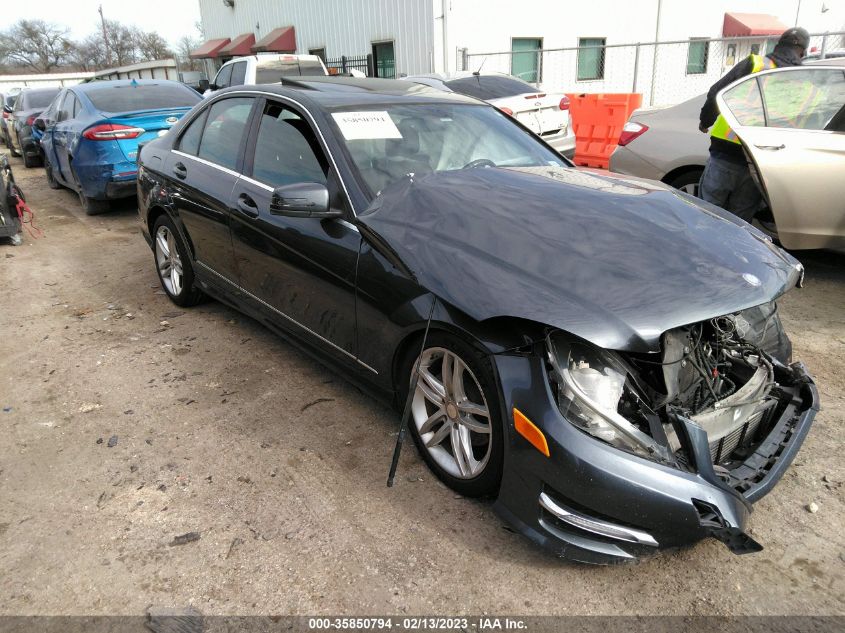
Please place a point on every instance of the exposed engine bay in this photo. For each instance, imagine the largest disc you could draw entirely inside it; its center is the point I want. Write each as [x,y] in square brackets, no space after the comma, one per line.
[722,374]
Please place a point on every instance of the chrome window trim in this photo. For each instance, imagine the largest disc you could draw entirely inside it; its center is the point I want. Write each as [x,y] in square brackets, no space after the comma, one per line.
[285,316]
[257,183]
[226,170]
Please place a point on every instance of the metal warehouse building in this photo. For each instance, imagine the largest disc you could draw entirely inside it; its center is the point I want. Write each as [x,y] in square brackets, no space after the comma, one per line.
[582,42]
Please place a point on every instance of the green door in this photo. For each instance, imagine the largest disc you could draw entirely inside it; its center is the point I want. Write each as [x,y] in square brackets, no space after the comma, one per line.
[525,60]
[384,60]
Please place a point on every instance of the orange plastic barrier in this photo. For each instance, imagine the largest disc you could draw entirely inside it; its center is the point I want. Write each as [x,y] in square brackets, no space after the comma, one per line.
[598,120]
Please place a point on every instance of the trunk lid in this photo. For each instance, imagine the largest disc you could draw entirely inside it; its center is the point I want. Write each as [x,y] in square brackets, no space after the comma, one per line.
[155,123]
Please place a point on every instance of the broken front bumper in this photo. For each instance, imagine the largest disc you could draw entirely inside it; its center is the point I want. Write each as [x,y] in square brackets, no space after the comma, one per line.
[593,503]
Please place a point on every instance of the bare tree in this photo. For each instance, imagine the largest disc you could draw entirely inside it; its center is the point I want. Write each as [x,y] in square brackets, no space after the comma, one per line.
[184,47]
[35,44]
[151,46]
[89,54]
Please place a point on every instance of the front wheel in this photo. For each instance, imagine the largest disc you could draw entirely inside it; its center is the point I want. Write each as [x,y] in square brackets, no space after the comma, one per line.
[455,417]
[173,264]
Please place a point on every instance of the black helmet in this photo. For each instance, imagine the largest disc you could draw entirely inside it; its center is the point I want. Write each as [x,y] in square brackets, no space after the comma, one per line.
[795,36]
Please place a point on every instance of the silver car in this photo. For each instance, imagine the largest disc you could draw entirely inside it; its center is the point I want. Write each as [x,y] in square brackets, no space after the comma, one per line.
[799,157]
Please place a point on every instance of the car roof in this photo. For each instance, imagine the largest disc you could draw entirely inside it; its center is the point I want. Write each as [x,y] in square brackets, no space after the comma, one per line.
[337,91]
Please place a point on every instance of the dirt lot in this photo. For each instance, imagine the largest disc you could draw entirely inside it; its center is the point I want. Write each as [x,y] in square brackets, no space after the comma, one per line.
[127,421]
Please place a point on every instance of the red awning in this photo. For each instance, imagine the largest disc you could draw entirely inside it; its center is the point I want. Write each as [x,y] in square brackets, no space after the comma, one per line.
[281,40]
[238,47]
[744,24]
[210,48]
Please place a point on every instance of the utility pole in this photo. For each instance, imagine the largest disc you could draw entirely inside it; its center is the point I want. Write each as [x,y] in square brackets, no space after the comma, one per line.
[105,35]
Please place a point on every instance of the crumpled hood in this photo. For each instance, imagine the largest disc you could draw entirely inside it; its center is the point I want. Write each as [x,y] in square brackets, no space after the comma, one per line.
[614,260]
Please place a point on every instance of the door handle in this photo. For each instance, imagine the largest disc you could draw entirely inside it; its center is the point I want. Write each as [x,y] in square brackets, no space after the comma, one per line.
[771,148]
[247,206]
[180,170]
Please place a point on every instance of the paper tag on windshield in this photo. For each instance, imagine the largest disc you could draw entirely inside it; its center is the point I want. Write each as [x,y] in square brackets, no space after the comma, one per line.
[366,125]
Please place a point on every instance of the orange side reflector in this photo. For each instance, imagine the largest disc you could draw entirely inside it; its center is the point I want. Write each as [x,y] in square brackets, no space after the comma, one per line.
[530,432]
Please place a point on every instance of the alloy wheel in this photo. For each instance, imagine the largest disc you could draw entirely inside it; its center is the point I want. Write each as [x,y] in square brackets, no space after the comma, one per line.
[168,261]
[451,415]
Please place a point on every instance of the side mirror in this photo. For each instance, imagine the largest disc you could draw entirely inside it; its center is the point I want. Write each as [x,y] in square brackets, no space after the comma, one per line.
[303,200]
[203,85]
[39,123]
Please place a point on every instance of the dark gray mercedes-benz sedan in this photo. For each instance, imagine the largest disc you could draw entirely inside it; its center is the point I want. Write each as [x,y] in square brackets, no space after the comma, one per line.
[602,355]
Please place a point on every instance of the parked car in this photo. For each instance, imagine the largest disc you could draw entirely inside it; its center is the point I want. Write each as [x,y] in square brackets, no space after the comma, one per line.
[545,114]
[48,116]
[263,69]
[604,354]
[27,106]
[91,144]
[7,100]
[665,144]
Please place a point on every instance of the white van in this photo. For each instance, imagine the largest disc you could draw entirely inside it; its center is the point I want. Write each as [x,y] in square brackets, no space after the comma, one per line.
[263,69]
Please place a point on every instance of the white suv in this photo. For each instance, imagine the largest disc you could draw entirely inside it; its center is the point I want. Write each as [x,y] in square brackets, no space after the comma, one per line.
[264,69]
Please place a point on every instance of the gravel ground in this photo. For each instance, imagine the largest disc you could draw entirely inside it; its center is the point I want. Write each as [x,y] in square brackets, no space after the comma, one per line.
[127,421]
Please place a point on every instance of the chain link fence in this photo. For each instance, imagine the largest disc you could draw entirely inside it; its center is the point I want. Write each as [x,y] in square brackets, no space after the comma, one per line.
[665,73]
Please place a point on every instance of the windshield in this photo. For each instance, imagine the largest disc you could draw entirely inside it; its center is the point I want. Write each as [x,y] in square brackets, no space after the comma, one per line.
[133,97]
[486,87]
[388,143]
[38,98]
[271,72]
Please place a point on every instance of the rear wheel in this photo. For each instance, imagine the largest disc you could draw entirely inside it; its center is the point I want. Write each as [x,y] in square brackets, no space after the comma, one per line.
[455,417]
[31,161]
[51,177]
[688,181]
[92,206]
[173,264]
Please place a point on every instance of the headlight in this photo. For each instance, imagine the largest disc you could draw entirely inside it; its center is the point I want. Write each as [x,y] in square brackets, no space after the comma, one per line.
[591,383]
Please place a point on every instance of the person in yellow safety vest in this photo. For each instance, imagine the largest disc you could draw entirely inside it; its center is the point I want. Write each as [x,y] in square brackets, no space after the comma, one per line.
[727,181]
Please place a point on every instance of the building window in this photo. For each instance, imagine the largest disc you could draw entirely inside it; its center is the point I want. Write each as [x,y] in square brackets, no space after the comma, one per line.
[755,49]
[319,52]
[770,46]
[384,60]
[591,58]
[697,54]
[525,58]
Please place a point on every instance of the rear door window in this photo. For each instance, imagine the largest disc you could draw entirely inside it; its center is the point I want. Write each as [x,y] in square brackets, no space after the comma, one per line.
[804,99]
[190,141]
[224,130]
[133,97]
[286,150]
[272,71]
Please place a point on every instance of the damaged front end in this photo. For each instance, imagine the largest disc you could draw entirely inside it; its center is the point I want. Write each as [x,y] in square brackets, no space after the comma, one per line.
[721,401]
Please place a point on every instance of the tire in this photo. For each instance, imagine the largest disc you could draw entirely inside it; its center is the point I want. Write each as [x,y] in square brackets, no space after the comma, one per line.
[176,276]
[92,206]
[477,471]
[31,161]
[688,181]
[51,178]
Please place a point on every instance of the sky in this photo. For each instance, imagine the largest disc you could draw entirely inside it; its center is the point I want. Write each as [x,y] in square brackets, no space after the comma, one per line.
[170,18]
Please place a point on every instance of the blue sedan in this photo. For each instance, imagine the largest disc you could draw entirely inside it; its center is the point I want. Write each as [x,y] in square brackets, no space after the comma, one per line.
[92,132]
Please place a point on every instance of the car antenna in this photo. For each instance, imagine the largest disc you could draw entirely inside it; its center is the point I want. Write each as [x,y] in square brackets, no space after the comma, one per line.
[478,72]
[406,412]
